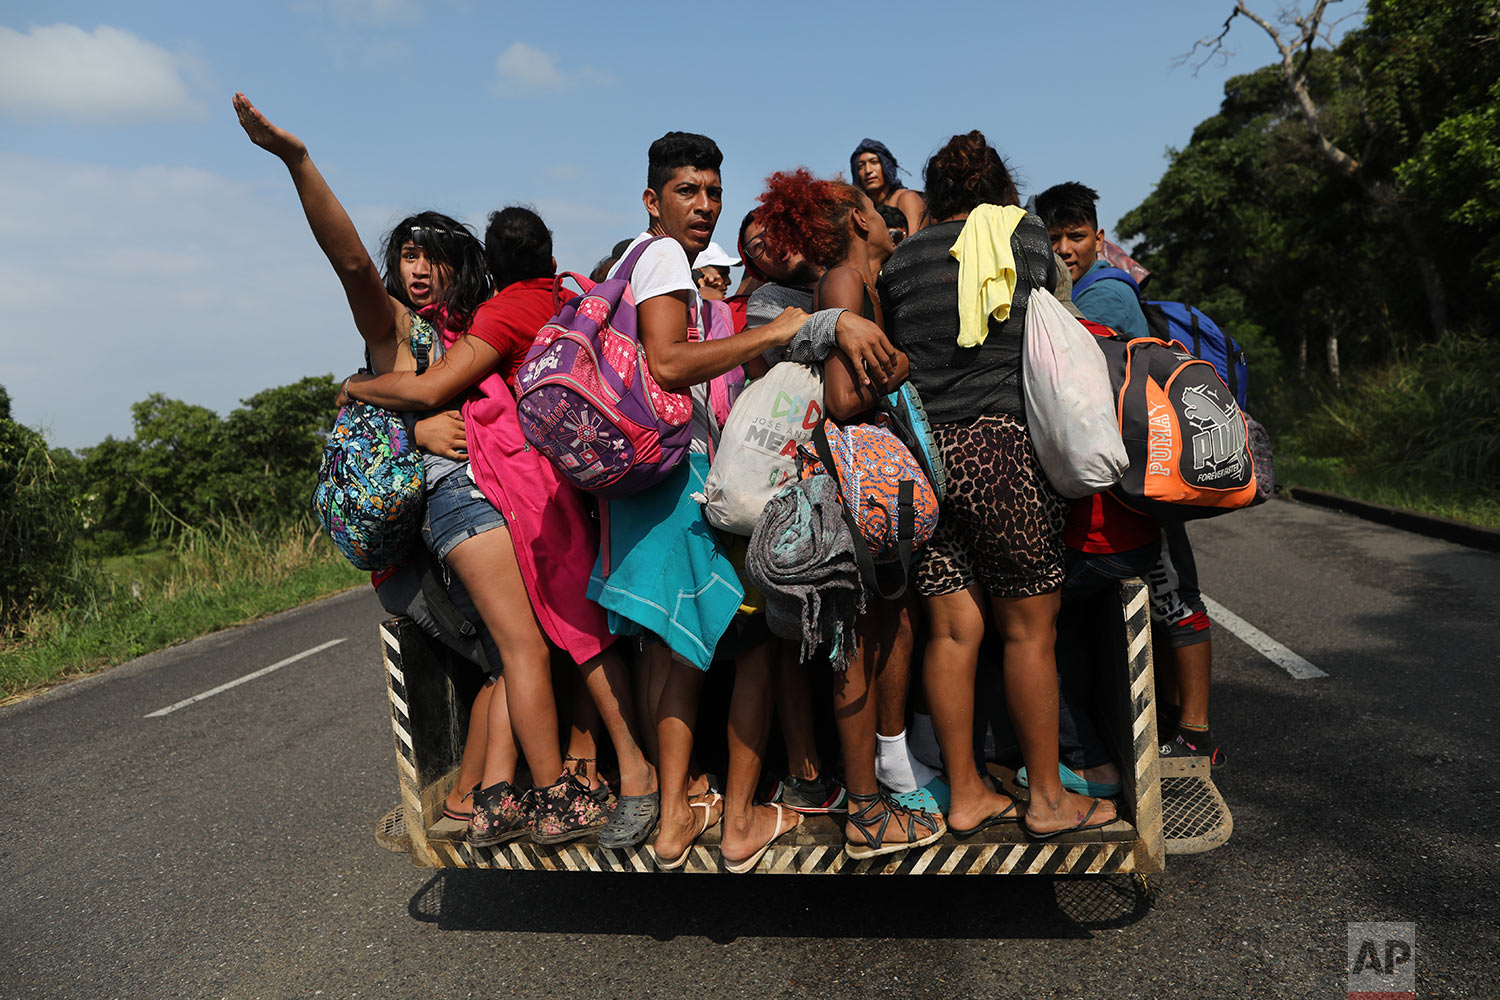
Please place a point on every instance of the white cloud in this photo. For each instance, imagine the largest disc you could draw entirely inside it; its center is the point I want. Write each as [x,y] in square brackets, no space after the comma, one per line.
[107,75]
[525,68]
[528,67]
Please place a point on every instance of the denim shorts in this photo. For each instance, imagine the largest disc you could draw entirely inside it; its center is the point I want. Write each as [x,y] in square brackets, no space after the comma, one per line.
[456,510]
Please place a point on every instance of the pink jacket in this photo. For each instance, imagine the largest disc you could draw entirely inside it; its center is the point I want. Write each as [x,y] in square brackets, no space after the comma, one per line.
[555,539]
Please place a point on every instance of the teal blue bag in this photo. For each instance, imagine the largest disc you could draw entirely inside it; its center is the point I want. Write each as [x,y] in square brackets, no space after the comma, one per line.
[905,405]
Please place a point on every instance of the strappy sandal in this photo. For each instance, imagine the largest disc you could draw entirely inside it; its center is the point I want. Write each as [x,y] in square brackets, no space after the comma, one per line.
[706,803]
[922,828]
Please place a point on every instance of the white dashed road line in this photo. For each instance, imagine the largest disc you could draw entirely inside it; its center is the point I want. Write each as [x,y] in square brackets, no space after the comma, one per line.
[1263,644]
[184,703]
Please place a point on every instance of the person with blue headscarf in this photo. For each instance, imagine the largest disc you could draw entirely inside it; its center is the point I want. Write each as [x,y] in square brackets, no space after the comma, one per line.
[876,172]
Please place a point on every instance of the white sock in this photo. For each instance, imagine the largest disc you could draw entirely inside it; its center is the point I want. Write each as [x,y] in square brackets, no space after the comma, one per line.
[896,768]
[922,739]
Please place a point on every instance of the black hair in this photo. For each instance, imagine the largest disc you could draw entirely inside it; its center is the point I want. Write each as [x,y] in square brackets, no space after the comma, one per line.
[446,241]
[1066,203]
[517,246]
[890,170]
[601,269]
[965,173]
[680,149]
[893,216]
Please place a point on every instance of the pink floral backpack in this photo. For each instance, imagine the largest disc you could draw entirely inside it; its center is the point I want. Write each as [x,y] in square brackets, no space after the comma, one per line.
[587,400]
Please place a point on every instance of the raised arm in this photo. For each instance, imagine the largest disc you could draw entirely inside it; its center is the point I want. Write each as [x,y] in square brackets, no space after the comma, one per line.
[462,365]
[378,317]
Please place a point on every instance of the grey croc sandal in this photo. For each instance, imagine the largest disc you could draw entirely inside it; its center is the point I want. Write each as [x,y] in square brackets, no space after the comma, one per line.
[631,822]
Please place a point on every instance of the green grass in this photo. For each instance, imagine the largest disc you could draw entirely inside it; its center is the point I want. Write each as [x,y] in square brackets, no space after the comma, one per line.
[1333,475]
[205,582]
[1420,432]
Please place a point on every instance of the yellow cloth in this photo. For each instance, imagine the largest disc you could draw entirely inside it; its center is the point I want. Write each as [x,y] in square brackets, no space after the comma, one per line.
[986,269]
[737,547]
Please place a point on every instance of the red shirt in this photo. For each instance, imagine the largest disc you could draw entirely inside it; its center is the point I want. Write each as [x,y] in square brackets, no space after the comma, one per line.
[509,322]
[738,305]
[1100,523]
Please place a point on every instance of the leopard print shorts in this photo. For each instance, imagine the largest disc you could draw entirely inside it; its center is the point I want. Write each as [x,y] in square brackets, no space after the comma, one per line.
[1001,524]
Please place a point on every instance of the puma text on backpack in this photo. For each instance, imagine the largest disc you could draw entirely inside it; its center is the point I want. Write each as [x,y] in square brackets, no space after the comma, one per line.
[369,496]
[587,399]
[1199,335]
[1184,434]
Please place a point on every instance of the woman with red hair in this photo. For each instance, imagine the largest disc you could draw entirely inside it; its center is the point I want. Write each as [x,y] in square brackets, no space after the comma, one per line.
[837,227]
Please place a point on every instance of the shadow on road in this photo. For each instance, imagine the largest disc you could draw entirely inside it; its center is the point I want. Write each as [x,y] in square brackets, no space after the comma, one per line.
[723,909]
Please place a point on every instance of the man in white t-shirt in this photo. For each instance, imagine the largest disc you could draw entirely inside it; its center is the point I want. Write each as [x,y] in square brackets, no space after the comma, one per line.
[683,198]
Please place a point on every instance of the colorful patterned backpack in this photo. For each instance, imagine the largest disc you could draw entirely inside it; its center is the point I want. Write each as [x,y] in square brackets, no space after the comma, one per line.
[587,400]
[370,486]
[889,500]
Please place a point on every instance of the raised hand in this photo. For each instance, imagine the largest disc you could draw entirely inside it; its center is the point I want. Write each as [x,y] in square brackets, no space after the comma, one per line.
[267,136]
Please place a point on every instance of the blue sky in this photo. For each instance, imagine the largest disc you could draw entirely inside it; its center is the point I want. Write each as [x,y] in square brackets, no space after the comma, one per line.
[148,247]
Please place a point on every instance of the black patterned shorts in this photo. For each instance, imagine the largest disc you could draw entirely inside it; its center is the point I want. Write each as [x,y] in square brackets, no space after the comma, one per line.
[1001,524]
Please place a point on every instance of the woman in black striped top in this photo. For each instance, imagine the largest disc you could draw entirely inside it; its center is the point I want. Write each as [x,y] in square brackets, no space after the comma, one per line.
[999,540]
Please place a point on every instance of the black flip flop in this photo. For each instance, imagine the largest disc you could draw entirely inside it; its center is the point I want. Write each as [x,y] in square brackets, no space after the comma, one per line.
[1079,827]
[1006,815]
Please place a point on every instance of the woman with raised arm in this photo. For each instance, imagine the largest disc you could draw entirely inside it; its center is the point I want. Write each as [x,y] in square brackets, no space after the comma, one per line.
[434,266]
[838,228]
[555,540]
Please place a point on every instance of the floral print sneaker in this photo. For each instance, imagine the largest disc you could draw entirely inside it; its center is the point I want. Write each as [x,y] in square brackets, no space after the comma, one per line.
[605,796]
[501,813]
[565,810]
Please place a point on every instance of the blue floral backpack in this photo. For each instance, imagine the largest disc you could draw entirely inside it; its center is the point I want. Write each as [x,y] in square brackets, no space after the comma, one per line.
[370,486]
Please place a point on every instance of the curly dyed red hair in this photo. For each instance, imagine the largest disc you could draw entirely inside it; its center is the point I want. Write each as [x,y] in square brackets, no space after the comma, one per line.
[800,213]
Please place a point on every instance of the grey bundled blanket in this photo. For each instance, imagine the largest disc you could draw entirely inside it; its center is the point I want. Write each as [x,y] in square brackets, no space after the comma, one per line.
[801,556]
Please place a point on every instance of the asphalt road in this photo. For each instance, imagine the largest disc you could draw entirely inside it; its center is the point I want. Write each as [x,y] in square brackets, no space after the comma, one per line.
[225,849]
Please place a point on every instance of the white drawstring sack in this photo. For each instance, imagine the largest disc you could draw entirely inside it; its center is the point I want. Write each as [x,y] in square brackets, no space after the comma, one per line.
[757,453]
[1070,407]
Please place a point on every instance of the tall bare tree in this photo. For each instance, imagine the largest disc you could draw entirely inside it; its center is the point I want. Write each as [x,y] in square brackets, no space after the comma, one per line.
[1295,35]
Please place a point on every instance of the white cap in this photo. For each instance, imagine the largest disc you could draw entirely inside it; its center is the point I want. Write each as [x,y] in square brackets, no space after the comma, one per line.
[713,255]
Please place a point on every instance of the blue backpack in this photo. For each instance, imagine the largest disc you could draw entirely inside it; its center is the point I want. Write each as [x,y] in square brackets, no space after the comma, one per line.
[1198,335]
[369,497]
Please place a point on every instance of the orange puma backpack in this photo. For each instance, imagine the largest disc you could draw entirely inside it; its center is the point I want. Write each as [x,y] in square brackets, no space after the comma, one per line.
[1184,434]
